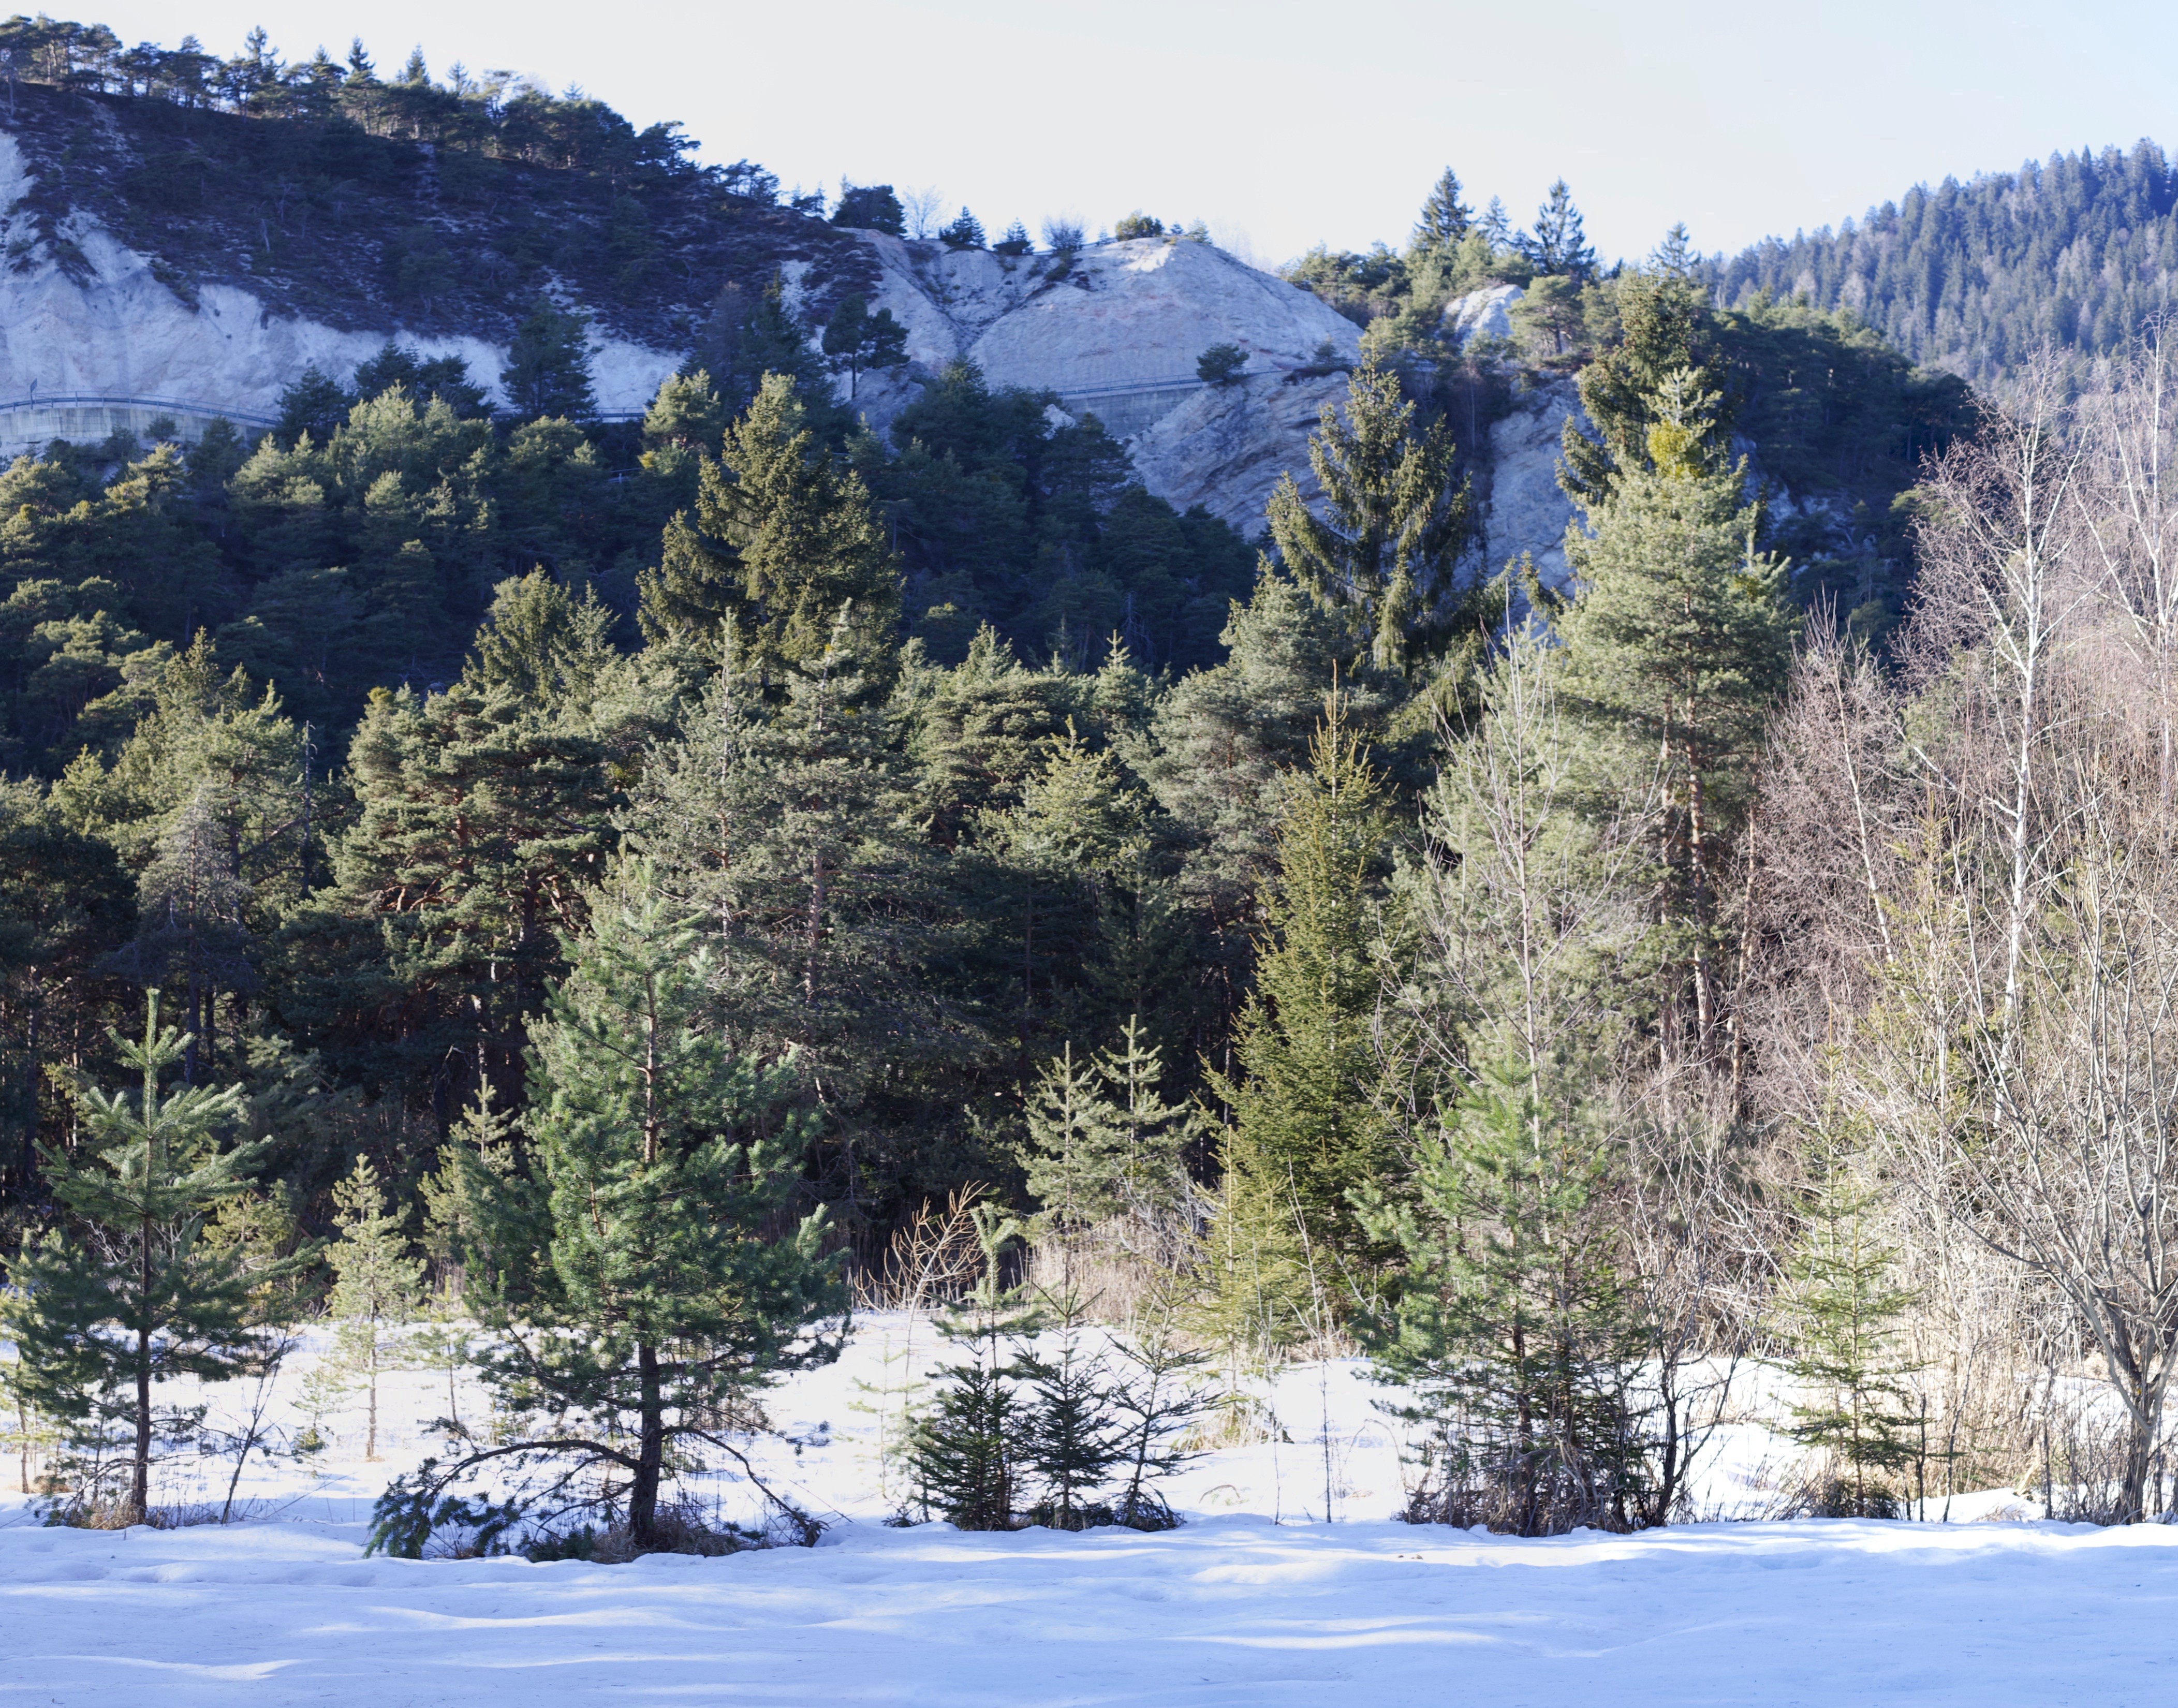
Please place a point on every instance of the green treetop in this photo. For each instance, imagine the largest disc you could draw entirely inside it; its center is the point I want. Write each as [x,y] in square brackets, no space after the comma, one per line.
[1073,1139]
[647,1270]
[1445,217]
[101,1318]
[548,366]
[1664,326]
[1386,551]
[1845,1311]
[1679,640]
[783,541]
[856,339]
[1305,1135]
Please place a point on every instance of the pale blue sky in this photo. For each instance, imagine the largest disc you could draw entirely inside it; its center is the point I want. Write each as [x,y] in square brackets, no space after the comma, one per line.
[1283,124]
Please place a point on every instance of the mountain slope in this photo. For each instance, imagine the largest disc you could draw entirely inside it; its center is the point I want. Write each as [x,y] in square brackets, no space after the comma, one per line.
[2079,251]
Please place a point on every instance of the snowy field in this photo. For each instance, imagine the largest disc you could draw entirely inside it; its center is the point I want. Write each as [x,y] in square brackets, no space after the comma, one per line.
[1256,1600]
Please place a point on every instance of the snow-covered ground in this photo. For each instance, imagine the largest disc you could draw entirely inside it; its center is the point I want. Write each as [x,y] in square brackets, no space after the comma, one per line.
[1255,1601]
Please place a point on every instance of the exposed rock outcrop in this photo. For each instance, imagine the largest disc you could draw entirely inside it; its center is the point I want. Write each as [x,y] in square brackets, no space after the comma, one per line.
[1526,510]
[1226,447]
[1483,314]
[93,314]
[110,327]
[1116,329]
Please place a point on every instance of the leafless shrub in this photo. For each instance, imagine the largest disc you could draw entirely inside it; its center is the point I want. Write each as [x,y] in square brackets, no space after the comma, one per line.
[932,1257]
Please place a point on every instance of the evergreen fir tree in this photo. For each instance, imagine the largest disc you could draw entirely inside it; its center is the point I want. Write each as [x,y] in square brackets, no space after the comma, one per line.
[1679,640]
[964,1454]
[375,1283]
[647,1272]
[784,542]
[1305,1136]
[1074,1165]
[1666,326]
[1445,218]
[1223,740]
[1556,244]
[1148,1133]
[784,828]
[1058,855]
[1676,257]
[1387,552]
[965,233]
[750,336]
[1072,1442]
[551,651]
[100,1320]
[1512,1322]
[1153,1403]
[548,366]
[1845,1310]
[316,404]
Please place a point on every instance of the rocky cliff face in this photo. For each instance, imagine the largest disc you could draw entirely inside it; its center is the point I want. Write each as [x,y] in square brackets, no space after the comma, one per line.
[1116,329]
[113,290]
[1524,509]
[107,326]
[93,307]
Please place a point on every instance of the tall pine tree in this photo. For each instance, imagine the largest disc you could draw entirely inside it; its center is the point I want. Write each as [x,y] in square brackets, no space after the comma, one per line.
[784,542]
[1677,643]
[1305,1135]
[1387,550]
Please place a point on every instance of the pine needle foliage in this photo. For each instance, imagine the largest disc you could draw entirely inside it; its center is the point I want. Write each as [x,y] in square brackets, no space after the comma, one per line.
[376,1284]
[1103,1139]
[1844,1309]
[1304,1134]
[1513,1323]
[1677,647]
[134,1296]
[644,1273]
[1386,551]
[964,1454]
[783,541]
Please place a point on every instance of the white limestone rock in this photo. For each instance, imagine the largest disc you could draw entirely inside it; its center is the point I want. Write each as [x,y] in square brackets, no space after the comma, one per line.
[1525,509]
[1483,314]
[1135,313]
[1226,447]
[1117,333]
[122,333]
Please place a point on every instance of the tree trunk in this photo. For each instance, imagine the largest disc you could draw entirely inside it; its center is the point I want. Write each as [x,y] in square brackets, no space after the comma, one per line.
[1698,884]
[139,1478]
[650,1458]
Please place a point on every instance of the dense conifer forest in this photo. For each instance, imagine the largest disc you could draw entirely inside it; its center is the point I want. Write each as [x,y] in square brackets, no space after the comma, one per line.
[2075,252]
[615,879]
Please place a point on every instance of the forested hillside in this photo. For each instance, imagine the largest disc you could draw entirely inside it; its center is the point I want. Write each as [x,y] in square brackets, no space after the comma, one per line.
[2078,251]
[626,884]
[1835,420]
[365,199]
